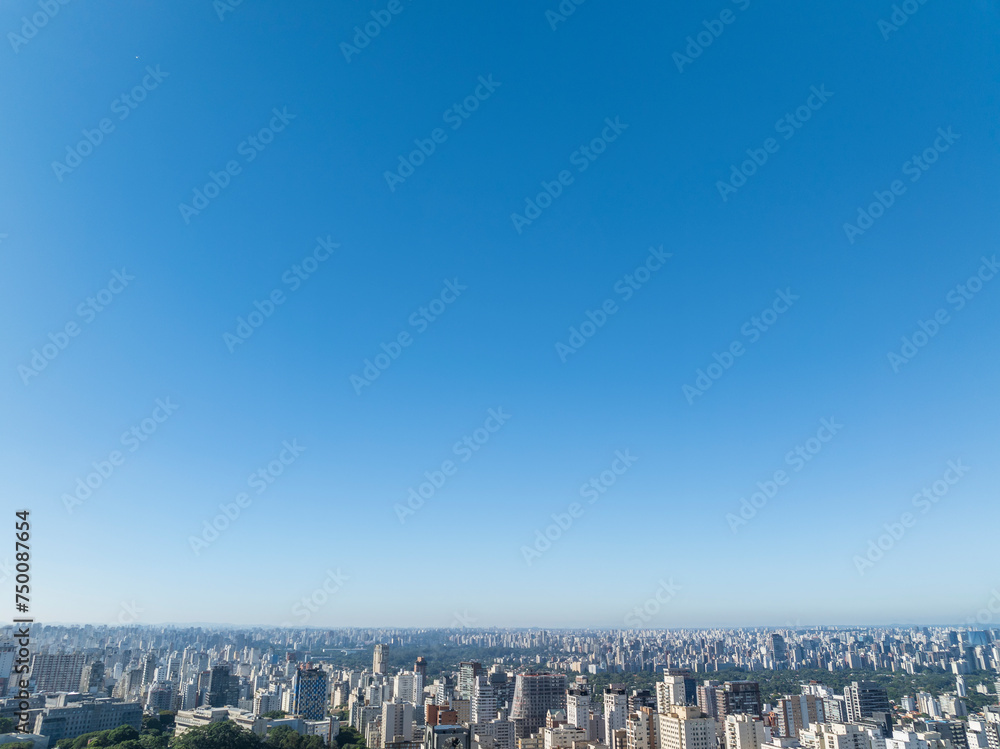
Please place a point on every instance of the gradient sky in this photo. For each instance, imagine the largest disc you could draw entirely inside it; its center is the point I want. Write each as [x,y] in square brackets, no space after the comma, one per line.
[494,347]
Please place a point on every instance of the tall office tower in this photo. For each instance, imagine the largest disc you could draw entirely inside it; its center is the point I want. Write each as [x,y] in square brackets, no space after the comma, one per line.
[677,688]
[57,673]
[707,699]
[309,692]
[420,667]
[503,689]
[402,685]
[467,673]
[835,708]
[189,695]
[92,678]
[864,698]
[641,698]
[739,697]
[615,709]
[960,687]
[380,660]
[685,727]
[640,729]
[148,670]
[484,701]
[776,647]
[397,722]
[578,706]
[745,732]
[796,712]
[534,695]
[222,687]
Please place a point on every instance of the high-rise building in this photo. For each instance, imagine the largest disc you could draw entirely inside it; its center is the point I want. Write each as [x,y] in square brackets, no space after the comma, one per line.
[776,648]
[640,729]
[578,706]
[484,701]
[739,697]
[615,709]
[222,687]
[677,688]
[796,712]
[641,698]
[57,673]
[397,722]
[468,671]
[685,727]
[380,660]
[864,698]
[707,698]
[745,732]
[534,695]
[835,736]
[92,678]
[309,692]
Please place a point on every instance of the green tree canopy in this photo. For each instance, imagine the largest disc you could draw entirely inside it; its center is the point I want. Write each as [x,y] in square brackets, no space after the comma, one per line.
[222,735]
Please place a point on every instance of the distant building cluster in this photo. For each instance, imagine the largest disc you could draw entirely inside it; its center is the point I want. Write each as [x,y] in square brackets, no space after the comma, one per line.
[541,693]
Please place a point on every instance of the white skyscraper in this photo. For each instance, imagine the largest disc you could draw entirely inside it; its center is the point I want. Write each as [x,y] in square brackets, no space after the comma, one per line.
[615,710]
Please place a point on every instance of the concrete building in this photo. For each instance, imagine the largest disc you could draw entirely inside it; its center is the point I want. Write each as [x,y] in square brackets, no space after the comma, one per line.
[745,732]
[57,673]
[685,727]
[534,695]
[863,698]
[308,692]
[797,712]
[85,716]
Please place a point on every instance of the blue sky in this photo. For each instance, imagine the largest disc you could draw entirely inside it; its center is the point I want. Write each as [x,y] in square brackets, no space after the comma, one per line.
[544,93]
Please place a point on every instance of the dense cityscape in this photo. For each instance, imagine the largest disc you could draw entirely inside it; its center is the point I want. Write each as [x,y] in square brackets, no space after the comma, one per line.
[145,687]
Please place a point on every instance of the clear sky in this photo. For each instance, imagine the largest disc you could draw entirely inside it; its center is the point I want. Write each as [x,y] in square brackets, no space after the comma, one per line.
[312,127]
